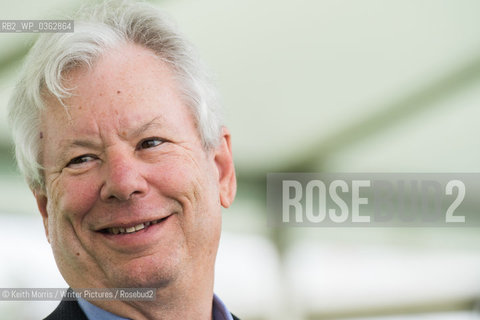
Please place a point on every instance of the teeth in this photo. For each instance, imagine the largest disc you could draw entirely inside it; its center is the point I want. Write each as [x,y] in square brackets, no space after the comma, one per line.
[138,227]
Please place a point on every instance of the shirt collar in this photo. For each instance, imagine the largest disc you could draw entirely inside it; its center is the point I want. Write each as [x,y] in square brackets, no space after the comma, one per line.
[93,312]
[219,311]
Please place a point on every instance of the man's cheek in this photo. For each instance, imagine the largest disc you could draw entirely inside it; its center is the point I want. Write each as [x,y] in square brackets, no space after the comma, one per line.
[78,202]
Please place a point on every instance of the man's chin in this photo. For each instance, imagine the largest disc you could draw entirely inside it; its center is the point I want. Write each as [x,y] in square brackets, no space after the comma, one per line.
[138,282]
[141,276]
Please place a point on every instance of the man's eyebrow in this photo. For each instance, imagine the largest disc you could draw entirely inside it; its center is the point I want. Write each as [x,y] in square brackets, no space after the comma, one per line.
[155,122]
[72,144]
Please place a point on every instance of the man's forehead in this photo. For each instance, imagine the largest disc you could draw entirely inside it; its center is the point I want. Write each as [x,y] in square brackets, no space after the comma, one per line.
[84,120]
[113,66]
[115,87]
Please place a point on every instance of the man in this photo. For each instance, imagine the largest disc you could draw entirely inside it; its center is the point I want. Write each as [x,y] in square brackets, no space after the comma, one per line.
[118,133]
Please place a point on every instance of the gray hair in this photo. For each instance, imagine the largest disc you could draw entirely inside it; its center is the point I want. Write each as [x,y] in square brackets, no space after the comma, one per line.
[98,29]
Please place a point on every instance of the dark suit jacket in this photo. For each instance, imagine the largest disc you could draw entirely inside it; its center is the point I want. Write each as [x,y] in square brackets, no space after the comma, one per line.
[67,310]
[70,310]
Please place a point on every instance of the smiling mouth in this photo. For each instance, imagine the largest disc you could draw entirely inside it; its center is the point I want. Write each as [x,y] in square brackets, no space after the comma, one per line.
[131,229]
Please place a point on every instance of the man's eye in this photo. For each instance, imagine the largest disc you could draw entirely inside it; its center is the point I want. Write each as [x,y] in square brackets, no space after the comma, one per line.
[80,160]
[150,143]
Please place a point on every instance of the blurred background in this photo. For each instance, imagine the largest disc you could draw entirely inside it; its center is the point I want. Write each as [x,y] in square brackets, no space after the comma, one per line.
[310,86]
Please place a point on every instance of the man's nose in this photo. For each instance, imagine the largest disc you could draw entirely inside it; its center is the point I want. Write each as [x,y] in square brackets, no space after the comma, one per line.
[123,179]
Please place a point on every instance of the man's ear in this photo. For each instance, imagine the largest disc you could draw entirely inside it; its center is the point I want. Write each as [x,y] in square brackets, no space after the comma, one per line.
[42,202]
[226,169]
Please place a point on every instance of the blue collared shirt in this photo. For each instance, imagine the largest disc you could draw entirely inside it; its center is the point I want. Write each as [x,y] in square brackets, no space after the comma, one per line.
[219,311]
